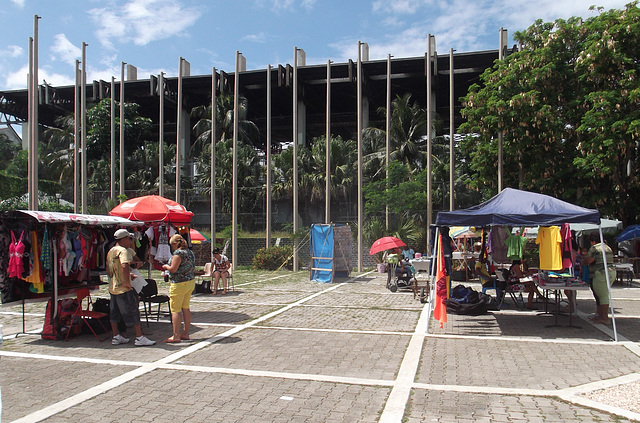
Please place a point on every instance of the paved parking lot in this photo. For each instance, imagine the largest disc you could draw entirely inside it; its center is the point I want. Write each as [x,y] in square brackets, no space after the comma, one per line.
[284,349]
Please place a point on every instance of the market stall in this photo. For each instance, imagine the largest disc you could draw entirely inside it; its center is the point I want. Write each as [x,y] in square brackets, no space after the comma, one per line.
[50,254]
[513,207]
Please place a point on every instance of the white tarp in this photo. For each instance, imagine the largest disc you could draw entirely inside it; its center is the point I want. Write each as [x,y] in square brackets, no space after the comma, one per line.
[83,219]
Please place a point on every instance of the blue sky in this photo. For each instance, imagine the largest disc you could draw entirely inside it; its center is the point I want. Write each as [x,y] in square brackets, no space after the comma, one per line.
[153,34]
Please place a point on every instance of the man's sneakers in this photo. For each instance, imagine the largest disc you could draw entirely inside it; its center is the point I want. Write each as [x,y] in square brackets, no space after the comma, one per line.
[119,339]
[143,341]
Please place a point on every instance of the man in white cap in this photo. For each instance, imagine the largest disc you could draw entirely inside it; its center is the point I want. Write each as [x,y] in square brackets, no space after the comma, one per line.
[124,302]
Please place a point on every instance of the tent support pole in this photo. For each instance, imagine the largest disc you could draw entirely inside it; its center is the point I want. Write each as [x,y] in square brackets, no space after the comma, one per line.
[432,278]
[606,274]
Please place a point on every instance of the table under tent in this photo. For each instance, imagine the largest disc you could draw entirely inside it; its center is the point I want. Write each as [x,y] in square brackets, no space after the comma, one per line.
[513,207]
[330,251]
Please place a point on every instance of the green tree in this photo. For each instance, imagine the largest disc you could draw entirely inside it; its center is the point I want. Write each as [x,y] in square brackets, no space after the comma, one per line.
[567,104]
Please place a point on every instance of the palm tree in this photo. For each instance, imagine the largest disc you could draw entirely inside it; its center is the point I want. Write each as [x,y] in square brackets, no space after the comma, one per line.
[247,130]
[56,151]
[408,130]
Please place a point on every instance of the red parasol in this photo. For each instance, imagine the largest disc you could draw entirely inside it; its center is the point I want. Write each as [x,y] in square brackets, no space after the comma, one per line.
[385,243]
[152,208]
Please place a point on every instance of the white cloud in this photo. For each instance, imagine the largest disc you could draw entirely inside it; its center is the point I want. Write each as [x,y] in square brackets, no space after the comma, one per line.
[399,6]
[19,3]
[18,80]
[260,37]
[12,51]
[142,21]
[62,49]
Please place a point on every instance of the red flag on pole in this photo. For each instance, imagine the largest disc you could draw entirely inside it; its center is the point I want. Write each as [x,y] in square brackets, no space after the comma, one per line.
[440,308]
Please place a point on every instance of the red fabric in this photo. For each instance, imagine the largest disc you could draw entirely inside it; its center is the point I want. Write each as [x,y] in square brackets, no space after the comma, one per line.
[440,308]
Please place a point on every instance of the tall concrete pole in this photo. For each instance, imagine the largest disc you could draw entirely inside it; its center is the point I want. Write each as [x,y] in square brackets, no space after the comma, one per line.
[161,136]
[179,132]
[29,134]
[113,140]
[359,117]
[35,133]
[295,156]
[83,127]
[214,130]
[451,133]
[430,52]
[76,138]
[268,167]
[122,124]
[387,155]
[240,64]
[327,159]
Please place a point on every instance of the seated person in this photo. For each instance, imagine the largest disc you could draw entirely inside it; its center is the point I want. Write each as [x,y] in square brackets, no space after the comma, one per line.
[486,279]
[402,265]
[408,253]
[519,270]
[483,273]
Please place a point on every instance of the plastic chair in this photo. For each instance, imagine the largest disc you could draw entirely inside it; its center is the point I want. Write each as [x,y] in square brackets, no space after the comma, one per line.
[207,270]
[488,284]
[88,313]
[230,277]
[149,295]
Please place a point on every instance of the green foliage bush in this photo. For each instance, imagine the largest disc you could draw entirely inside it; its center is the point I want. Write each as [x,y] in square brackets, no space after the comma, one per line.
[274,258]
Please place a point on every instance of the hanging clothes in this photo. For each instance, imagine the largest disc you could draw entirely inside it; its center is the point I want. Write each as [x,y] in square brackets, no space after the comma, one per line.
[567,250]
[16,253]
[497,247]
[45,254]
[163,251]
[65,253]
[74,238]
[550,241]
[36,278]
[515,246]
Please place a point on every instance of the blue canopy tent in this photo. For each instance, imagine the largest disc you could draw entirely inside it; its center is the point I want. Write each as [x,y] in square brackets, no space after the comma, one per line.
[330,251]
[629,233]
[514,207]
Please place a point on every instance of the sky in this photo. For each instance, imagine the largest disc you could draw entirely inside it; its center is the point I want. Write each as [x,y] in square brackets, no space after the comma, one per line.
[153,34]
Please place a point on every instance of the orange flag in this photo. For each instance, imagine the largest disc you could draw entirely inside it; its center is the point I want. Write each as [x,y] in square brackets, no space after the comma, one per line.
[442,291]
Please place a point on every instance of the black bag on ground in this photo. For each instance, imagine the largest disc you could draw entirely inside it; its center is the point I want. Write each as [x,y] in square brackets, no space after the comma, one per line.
[103,305]
[204,287]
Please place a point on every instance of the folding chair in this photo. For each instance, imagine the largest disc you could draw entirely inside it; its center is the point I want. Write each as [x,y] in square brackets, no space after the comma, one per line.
[88,313]
[516,295]
[149,295]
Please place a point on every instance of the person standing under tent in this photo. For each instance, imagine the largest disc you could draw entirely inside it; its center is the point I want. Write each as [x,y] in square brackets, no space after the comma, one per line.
[124,301]
[598,276]
[181,274]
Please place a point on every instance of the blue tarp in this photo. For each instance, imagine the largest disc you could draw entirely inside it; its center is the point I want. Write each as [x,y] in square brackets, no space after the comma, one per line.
[321,253]
[514,207]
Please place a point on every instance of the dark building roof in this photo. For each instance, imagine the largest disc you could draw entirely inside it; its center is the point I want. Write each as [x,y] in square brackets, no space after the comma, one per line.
[408,75]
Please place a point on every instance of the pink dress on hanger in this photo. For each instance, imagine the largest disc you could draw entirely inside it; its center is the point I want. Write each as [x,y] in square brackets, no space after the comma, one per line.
[16,252]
